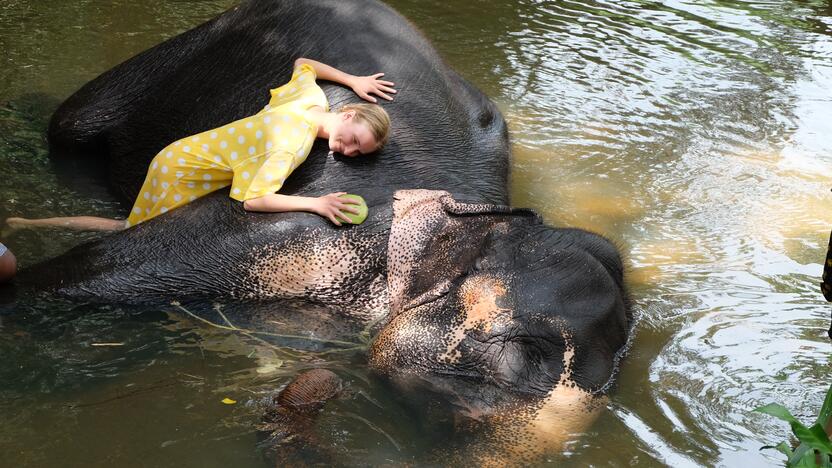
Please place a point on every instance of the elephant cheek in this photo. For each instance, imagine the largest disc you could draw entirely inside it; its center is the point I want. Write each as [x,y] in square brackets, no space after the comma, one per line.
[568,410]
[432,336]
[527,431]
[525,434]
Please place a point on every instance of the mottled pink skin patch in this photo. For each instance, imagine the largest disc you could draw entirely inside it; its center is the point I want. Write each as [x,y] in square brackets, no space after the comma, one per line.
[344,271]
[421,230]
[479,304]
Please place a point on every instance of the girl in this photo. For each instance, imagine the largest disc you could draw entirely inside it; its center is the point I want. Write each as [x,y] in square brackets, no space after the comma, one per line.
[256,154]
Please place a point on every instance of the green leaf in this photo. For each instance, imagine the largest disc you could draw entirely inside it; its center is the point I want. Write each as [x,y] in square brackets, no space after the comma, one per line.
[807,461]
[826,409]
[782,447]
[815,437]
[778,411]
[800,455]
[823,417]
[812,438]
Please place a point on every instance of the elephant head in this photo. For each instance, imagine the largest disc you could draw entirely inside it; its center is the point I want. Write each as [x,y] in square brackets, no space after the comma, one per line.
[521,322]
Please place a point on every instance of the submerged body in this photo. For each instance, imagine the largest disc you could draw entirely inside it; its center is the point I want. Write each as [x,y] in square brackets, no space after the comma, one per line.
[520,322]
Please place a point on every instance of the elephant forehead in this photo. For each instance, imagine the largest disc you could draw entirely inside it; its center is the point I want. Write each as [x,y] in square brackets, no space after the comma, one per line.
[415,216]
[434,240]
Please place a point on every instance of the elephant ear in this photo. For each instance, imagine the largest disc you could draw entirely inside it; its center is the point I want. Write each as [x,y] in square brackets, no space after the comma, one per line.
[435,239]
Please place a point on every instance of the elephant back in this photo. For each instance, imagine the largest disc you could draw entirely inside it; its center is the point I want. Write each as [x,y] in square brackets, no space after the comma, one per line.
[446,134]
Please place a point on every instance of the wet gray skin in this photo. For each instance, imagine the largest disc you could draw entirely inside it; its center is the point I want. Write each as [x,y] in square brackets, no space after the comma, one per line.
[520,324]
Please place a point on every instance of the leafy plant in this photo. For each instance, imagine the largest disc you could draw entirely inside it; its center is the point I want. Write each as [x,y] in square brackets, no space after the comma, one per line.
[815,447]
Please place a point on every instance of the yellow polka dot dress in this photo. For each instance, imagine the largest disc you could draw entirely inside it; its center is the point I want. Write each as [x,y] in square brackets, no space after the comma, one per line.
[253,155]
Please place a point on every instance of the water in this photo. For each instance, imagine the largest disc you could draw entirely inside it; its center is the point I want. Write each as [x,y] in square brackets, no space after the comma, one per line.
[692,133]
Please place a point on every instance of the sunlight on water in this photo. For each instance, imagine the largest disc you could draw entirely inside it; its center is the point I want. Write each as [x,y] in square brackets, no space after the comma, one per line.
[695,135]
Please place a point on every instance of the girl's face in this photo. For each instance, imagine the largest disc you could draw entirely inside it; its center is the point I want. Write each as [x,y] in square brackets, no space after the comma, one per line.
[351,138]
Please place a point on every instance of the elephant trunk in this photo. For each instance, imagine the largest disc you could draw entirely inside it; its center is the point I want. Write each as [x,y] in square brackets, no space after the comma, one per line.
[287,428]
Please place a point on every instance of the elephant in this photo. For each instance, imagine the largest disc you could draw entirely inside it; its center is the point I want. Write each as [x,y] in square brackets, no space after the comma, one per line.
[521,323]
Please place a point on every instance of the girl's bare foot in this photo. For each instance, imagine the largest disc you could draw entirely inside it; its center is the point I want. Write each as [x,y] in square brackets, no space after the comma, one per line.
[15,223]
[9,227]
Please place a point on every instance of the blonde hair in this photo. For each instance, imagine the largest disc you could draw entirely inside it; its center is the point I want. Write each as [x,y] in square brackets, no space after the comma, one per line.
[374,117]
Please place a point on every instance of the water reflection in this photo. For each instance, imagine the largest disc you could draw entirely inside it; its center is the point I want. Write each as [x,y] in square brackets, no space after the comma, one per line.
[693,134]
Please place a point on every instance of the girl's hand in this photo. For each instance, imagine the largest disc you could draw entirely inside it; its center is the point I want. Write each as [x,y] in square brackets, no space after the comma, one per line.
[332,207]
[366,85]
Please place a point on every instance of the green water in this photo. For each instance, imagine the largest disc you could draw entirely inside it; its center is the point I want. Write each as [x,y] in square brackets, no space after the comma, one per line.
[693,133]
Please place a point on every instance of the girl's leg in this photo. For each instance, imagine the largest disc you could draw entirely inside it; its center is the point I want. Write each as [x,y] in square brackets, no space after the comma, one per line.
[78,223]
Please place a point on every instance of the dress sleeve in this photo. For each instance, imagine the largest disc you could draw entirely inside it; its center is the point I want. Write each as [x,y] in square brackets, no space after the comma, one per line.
[306,70]
[302,78]
[261,176]
[301,90]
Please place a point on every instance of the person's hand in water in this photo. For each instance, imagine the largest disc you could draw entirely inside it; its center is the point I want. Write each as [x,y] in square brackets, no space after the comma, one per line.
[366,85]
[331,207]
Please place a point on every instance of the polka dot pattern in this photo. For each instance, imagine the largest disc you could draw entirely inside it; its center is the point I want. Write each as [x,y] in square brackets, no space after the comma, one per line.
[231,155]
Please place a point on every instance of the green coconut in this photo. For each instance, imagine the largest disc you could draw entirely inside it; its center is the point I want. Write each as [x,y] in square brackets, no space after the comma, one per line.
[361,207]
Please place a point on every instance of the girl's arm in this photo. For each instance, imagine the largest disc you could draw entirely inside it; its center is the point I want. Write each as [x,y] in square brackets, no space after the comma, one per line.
[362,85]
[329,206]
